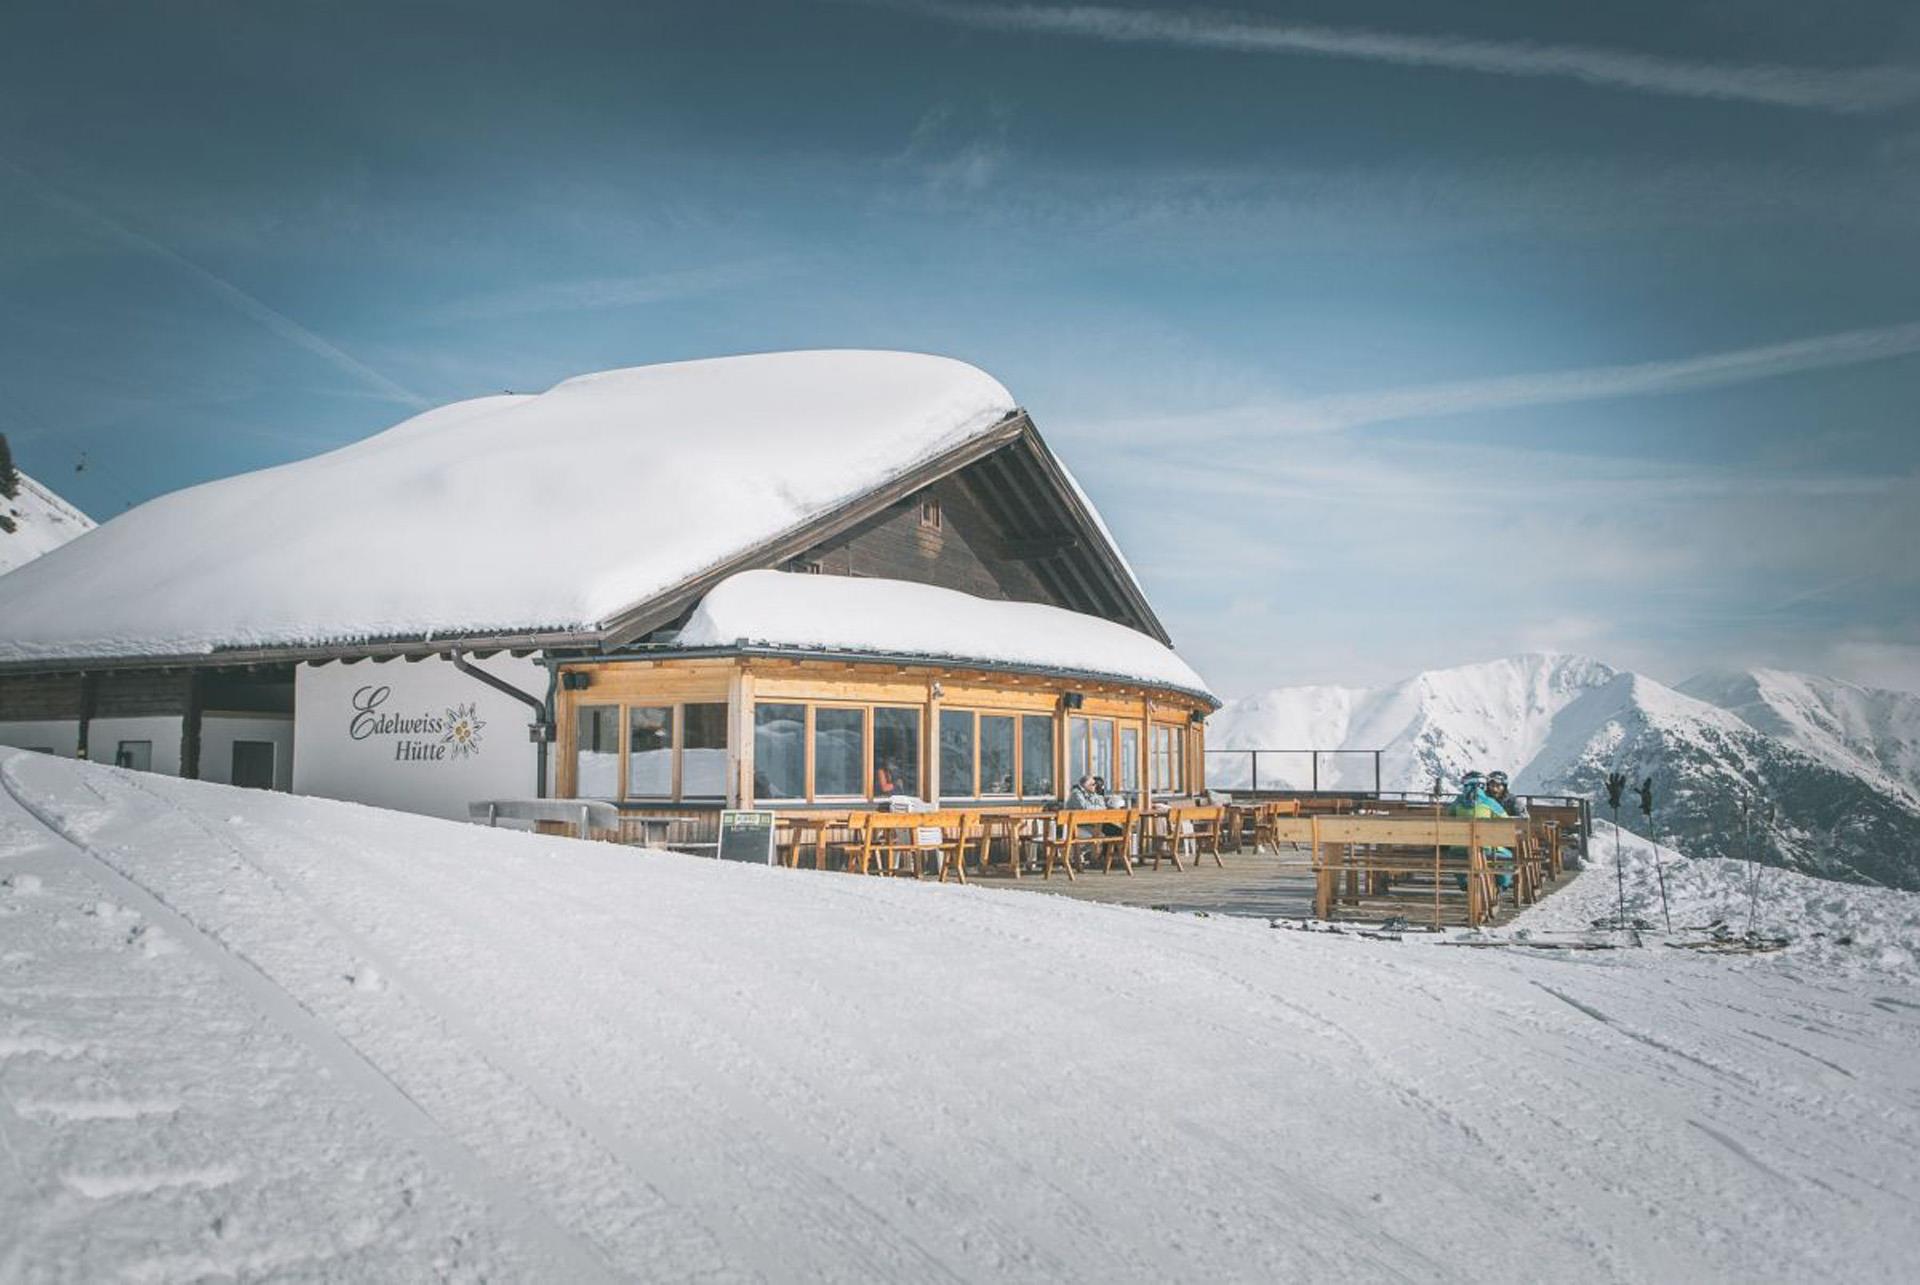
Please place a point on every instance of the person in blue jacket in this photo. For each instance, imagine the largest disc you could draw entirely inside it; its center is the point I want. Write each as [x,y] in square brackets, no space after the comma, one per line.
[1474,801]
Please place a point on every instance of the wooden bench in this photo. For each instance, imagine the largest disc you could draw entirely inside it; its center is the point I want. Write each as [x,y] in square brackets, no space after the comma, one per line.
[892,842]
[1369,853]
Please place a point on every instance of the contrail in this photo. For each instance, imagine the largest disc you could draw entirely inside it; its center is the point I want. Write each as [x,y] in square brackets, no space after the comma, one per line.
[1345,411]
[279,323]
[1839,89]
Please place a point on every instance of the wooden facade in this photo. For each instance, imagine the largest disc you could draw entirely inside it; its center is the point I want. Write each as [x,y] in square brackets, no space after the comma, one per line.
[1158,729]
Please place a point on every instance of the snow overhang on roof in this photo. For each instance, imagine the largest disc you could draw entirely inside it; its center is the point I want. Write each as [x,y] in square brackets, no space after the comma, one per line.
[517,514]
[895,618]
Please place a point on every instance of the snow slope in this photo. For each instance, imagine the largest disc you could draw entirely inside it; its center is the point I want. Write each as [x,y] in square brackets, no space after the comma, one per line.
[248,1034]
[456,520]
[895,617]
[1831,759]
[1869,733]
[42,522]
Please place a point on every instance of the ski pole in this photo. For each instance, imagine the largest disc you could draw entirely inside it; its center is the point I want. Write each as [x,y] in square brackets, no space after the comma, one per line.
[1653,837]
[1746,848]
[1617,782]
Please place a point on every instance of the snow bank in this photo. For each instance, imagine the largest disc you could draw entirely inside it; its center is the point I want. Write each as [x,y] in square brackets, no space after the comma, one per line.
[894,617]
[512,512]
[1844,927]
[399,1048]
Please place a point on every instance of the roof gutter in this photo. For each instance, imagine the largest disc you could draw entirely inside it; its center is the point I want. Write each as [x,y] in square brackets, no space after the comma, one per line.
[542,730]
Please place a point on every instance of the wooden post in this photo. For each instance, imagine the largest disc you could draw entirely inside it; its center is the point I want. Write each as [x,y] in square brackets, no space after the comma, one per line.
[740,738]
[930,757]
[1145,766]
[190,726]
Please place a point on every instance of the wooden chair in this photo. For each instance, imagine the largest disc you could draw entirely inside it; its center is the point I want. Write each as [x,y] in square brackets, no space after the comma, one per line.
[1066,838]
[891,843]
[1201,827]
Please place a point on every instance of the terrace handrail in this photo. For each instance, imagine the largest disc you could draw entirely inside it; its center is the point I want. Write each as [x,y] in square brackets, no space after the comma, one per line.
[585,815]
[1253,759]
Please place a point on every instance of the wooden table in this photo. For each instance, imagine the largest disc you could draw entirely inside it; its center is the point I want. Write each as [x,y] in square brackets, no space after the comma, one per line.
[1016,830]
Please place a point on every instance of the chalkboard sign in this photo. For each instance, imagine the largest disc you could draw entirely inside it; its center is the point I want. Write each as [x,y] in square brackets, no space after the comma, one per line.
[747,836]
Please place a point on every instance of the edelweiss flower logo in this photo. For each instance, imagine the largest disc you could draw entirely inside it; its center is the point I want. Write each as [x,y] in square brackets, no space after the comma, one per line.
[463,730]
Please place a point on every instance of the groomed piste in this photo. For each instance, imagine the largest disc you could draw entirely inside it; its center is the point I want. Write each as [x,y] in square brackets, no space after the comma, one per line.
[254,1035]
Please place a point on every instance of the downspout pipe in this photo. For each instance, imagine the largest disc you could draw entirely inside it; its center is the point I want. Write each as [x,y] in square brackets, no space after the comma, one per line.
[543,727]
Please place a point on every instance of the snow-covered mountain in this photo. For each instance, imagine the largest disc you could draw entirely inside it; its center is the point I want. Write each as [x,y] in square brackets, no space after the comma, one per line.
[37,521]
[1839,764]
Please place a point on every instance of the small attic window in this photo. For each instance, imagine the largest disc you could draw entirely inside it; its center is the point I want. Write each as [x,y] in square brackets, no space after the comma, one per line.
[930,513]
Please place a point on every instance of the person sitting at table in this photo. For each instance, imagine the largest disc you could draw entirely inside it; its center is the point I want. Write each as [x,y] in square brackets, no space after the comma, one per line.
[1086,795]
[1497,790]
[886,781]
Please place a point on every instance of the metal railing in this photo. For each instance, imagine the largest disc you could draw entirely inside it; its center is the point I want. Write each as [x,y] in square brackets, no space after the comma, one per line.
[1282,781]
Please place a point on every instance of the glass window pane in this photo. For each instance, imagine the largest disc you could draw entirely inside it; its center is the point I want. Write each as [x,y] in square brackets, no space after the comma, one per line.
[956,754]
[779,751]
[1036,756]
[1177,776]
[650,752]
[137,755]
[1129,760]
[996,754]
[252,765]
[1102,735]
[596,751]
[703,751]
[1077,768]
[839,752]
[896,752]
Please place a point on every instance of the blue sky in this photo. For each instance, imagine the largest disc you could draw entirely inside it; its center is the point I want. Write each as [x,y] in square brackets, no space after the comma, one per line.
[1385,335]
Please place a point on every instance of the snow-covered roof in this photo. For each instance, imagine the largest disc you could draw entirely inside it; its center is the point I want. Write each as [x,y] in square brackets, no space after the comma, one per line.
[899,618]
[552,511]
[41,522]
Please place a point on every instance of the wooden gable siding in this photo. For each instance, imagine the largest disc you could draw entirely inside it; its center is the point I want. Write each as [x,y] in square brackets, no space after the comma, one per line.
[39,697]
[124,693]
[966,551]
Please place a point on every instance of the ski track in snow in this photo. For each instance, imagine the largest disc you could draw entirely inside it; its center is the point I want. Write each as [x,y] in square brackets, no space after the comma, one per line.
[577,1059]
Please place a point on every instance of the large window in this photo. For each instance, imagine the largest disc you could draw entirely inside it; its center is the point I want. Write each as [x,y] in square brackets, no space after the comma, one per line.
[1169,755]
[1036,756]
[896,752]
[703,751]
[996,753]
[1090,749]
[839,752]
[596,751]
[779,751]
[650,752]
[1129,759]
[956,753]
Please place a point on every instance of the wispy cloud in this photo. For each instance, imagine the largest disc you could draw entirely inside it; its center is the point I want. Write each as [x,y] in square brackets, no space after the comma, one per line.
[1845,89]
[1345,411]
[233,296]
[599,293]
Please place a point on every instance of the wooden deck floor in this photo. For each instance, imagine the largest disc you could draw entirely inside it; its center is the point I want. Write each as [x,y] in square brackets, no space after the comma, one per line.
[1255,885]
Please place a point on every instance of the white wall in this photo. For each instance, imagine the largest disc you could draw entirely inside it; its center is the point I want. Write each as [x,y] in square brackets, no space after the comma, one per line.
[376,733]
[62,736]
[105,734]
[218,732]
